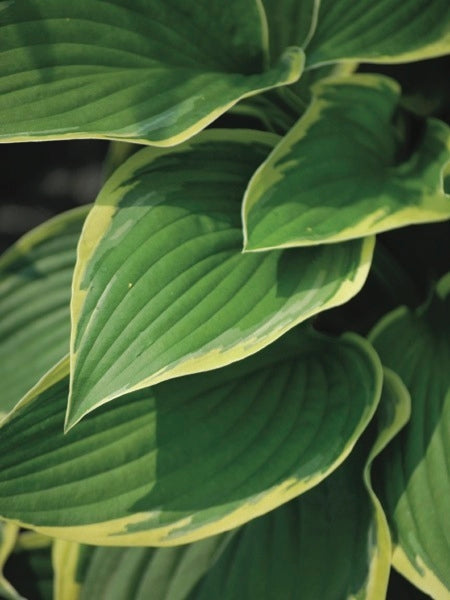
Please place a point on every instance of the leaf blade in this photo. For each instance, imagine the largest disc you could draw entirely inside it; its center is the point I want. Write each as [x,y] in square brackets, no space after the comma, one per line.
[380,32]
[146,72]
[35,289]
[336,153]
[290,23]
[161,288]
[414,478]
[281,417]
[282,554]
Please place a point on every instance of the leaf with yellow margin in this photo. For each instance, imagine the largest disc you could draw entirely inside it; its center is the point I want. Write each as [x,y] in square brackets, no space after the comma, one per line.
[147,71]
[35,288]
[380,31]
[413,471]
[193,456]
[161,286]
[340,174]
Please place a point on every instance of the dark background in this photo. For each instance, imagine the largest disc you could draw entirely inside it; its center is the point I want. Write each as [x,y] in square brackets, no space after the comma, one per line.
[39,180]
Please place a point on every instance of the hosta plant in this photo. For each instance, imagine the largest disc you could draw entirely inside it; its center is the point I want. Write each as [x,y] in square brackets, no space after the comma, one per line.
[229,376]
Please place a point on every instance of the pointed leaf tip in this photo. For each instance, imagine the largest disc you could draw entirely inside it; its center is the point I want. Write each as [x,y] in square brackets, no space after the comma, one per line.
[162,288]
[281,415]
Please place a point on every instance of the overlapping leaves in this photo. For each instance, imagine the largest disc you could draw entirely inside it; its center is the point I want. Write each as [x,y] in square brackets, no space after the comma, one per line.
[414,470]
[158,73]
[291,23]
[139,573]
[190,457]
[162,291]
[275,556]
[161,287]
[150,71]
[340,174]
[380,31]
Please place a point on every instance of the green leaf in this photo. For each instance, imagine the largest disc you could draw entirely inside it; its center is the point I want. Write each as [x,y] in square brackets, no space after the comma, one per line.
[190,457]
[161,287]
[414,472]
[278,110]
[303,89]
[339,174]
[35,287]
[70,560]
[331,543]
[277,556]
[117,154]
[383,31]
[138,573]
[291,23]
[148,71]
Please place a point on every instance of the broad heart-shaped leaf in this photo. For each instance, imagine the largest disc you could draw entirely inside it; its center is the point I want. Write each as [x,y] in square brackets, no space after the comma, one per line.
[331,543]
[383,31]
[414,470]
[147,71]
[300,550]
[339,174]
[35,287]
[161,287]
[193,456]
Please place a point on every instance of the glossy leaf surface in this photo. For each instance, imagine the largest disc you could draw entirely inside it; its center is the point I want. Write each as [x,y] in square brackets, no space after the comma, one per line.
[339,173]
[161,287]
[191,457]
